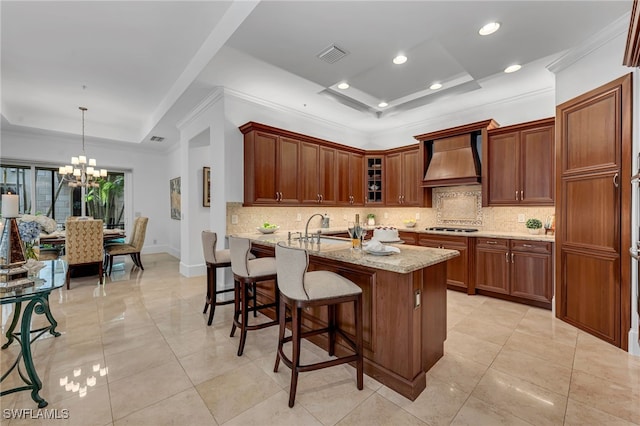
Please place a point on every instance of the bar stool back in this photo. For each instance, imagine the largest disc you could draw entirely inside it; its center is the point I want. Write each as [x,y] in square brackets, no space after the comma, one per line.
[214,259]
[300,289]
[246,273]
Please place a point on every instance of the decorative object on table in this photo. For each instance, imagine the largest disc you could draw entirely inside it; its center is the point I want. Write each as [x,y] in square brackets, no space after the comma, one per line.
[550,224]
[376,248]
[30,235]
[174,192]
[33,267]
[82,173]
[206,187]
[386,234]
[268,228]
[12,275]
[533,225]
[409,223]
[371,219]
[356,232]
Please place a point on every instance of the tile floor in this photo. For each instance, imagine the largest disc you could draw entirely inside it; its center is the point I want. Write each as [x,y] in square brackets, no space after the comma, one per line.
[139,353]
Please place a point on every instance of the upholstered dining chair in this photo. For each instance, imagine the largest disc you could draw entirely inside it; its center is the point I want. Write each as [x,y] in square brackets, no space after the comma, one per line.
[246,273]
[83,245]
[300,289]
[132,248]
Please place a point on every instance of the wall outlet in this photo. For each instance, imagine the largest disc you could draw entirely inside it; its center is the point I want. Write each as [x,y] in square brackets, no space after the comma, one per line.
[417,216]
[344,217]
[521,218]
[234,219]
[386,215]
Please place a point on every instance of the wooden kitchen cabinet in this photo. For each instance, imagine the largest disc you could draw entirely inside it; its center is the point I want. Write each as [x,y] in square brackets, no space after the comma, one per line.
[318,177]
[519,270]
[375,179]
[403,177]
[350,179]
[520,165]
[458,268]
[271,176]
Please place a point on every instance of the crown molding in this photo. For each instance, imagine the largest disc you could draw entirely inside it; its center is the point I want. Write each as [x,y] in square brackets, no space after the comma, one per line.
[616,28]
[215,96]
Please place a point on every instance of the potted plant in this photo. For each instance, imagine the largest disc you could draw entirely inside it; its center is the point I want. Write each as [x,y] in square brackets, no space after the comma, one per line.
[371,219]
[533,225]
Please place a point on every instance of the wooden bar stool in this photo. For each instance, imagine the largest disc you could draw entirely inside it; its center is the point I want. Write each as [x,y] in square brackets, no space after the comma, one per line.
[214,259]
[246,273]
[300,289]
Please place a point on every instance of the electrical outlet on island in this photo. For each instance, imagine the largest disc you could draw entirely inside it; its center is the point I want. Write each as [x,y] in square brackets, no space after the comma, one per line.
[299,217]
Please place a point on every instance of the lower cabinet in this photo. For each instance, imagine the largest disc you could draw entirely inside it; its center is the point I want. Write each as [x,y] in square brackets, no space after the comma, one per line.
[458,267]
[519,270]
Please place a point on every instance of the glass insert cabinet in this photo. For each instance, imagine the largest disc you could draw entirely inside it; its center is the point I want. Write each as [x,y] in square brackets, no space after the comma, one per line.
[375,179]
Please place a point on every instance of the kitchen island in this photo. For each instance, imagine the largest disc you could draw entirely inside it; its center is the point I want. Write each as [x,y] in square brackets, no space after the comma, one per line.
[404,305]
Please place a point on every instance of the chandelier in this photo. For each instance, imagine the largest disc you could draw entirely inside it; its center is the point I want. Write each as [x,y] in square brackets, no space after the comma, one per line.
[82,173]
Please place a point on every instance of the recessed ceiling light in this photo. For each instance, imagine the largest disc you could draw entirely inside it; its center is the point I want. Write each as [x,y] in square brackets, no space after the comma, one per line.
[435,86]
[490,28]
[343,86]
[512,68]
[383,104]
[400,59]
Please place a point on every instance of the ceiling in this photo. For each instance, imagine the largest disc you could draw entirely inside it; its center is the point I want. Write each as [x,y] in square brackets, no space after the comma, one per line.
[140,67]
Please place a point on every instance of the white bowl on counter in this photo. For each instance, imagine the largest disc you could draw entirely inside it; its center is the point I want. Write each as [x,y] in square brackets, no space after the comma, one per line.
[268,230]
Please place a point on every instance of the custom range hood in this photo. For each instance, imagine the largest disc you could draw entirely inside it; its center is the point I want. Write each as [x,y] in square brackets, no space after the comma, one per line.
[452,156]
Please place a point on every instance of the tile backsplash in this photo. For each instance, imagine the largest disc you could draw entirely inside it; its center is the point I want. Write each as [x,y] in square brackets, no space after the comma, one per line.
[452,206]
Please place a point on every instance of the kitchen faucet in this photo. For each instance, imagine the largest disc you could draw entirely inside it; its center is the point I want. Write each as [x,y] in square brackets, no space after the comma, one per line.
[306,228]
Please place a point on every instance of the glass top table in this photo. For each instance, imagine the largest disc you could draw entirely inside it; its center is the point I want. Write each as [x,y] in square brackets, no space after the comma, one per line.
[36,297]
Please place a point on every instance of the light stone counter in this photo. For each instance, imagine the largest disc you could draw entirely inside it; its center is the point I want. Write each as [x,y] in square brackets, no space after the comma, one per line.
[411,258]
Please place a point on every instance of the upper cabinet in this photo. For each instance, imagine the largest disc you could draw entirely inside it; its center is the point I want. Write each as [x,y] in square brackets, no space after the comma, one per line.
[519,165]
[403,177]
[375,182]
[287,168]
[350,174]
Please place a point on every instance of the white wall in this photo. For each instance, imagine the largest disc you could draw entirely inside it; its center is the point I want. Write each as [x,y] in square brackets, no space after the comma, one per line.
[149,191]
[596,68]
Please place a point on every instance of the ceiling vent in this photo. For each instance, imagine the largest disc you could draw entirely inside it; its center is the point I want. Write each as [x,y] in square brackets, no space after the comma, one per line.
[332,54]
[157,138]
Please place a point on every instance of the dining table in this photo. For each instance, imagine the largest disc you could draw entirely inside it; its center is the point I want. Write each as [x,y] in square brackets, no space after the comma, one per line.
[57,238]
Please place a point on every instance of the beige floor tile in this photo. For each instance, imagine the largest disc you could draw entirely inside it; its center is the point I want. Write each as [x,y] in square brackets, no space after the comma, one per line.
[275,411]
[543,348]
[234,392]
[438,404]
[520,398]
[600,359]
[585,415]
[503,314]
[534,370]
[469,347]
[211,362]
[120,338]
[484,330]
[187,408]
[542,324]
[377,410]
[148,387]
[612,398]
[139,359]
[475,412]
[460,372]
[204,338]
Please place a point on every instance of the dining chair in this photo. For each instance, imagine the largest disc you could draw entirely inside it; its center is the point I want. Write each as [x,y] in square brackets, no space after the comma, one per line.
[247,272]
[132,248]
[299,290]
[83,246]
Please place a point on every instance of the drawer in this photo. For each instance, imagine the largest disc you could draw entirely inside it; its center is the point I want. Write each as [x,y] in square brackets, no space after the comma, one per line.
[496,243]
[531,246]
[430,239]
[408,237]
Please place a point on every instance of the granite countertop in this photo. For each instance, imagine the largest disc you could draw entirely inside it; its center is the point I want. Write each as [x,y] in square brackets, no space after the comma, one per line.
[422,230]
[411,258]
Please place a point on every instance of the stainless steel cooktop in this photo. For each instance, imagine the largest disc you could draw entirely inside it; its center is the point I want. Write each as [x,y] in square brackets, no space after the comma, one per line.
[451,229]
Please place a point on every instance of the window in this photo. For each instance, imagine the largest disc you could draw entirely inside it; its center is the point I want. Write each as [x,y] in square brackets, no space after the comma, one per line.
[54,198]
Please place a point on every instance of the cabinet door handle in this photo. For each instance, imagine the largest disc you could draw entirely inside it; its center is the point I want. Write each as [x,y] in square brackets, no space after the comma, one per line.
[492,242]
[506,257]
[280,196]
[615,180]
[527,245]
[321,198]
[516,195]
[511,257]
[521,195]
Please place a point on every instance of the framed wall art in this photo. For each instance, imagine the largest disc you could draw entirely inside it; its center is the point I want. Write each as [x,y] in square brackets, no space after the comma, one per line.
[174,192]
[206,186]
